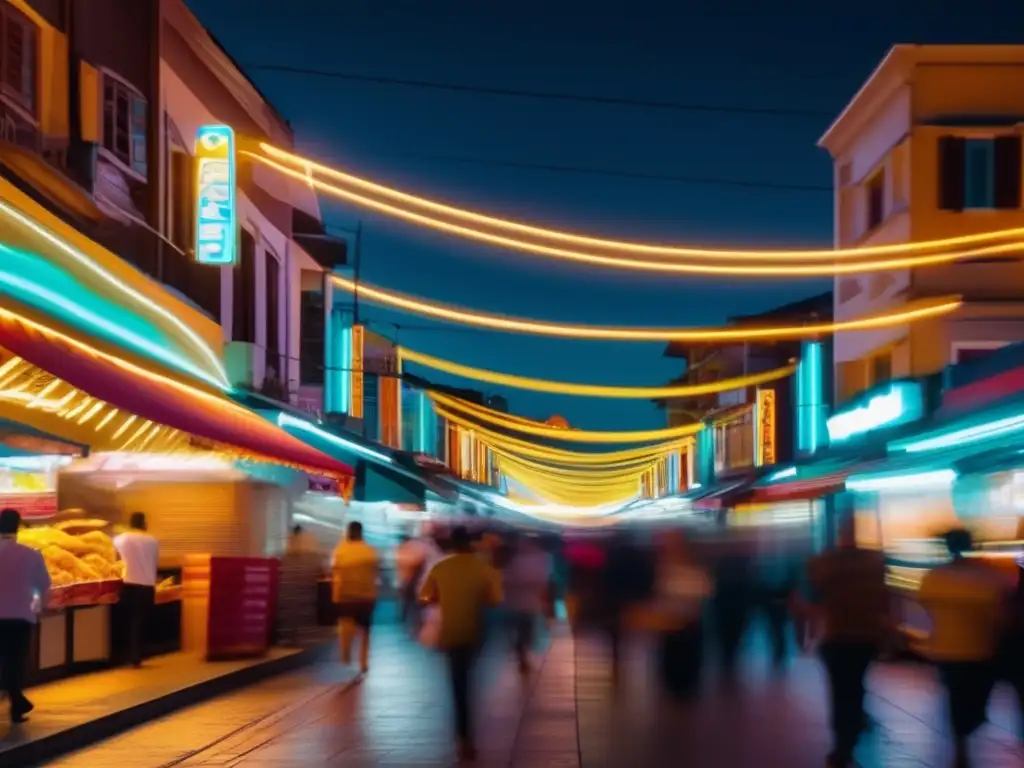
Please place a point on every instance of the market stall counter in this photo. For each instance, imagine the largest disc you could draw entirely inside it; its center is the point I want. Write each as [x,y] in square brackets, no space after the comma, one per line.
[81,620]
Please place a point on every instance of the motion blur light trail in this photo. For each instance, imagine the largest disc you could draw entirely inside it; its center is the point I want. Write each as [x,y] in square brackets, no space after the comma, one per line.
[789,263]
[592,390]
[518,424]
[918,310]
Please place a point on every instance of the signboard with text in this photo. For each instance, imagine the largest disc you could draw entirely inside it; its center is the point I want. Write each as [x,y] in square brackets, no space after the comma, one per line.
[216,215]
[765,427]
[357,372]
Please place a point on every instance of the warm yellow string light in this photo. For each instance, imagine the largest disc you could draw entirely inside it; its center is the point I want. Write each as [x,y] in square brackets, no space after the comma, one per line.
[569,435]
[306,168]
[562,455]
[575,473]
[691,268]
[593,390]
[921,309]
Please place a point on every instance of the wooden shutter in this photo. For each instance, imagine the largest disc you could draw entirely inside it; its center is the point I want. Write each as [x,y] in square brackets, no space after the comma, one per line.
[1007,171]
[951,173]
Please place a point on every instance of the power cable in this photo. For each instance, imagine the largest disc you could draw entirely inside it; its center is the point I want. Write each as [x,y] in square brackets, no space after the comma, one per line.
[623,174]
[616,101]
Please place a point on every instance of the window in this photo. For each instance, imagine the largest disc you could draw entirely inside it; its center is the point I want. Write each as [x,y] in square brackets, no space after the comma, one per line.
[125,124]
[182,183]
[881,368]
[19,58]
[311,351]
[875,189]
[243,300]
[979,173]
[273,316]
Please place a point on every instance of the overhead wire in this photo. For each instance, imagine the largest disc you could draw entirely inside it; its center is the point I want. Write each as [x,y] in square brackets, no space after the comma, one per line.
[914,311]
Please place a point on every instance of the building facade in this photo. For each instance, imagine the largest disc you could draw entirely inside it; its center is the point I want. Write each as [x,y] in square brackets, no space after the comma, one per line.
[929,148]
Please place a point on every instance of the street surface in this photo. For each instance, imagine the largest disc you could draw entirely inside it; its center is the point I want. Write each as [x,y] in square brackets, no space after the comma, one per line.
[566,717]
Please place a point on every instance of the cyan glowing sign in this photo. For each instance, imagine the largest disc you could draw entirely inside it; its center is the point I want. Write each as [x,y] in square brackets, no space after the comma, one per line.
[216,217]
[901,403]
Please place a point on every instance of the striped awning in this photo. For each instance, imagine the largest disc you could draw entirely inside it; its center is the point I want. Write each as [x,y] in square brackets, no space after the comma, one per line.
[207,415]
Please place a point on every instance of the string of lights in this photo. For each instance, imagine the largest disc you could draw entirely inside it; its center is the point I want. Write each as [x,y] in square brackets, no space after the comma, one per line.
[563,456]
[592,390]
[569,435]
[576,474]
[912,312]
[304,168]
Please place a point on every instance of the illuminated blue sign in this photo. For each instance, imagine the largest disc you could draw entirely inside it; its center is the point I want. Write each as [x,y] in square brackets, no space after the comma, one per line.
[901,403]
[216,217]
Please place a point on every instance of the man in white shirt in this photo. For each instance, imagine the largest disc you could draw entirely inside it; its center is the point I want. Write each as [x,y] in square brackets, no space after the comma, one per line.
[140,553]
[25,584]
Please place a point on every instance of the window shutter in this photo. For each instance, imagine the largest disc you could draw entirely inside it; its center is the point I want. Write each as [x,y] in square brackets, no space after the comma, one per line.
[951,173]
[1007,171]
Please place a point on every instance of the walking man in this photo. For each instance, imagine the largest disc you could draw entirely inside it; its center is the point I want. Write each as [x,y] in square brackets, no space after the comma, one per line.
[25,584]
[463,586]
[141,554]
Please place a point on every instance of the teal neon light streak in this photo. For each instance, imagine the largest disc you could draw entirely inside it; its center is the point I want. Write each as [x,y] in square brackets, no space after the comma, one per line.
[959,437]
[343,334]
[216,215]
[37,283]
[145,303]
[285,421]
[939,478]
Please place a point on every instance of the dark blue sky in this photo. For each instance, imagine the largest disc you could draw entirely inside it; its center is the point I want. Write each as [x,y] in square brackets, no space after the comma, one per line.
[811,57]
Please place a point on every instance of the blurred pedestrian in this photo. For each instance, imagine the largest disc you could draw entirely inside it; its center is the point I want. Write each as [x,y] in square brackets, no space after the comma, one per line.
[681,588]
[733,599]
[302,567]
[462,586]
[627,580]
[26,584]
[527,580]
[412,558]
[355,570]
[850,594]
[1013,658]
[966,601]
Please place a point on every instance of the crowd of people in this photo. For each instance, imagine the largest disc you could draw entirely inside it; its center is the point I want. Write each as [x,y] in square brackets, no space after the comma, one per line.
[694,593]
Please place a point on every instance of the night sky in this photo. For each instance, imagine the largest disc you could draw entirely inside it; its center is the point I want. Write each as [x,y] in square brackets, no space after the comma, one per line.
[462,146]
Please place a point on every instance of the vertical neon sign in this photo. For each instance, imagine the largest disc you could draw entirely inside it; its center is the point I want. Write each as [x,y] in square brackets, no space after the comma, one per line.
[811,433]
[356,353]
[216,215]
[764,426]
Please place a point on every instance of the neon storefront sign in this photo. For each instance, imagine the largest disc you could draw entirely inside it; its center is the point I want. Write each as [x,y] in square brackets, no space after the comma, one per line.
[901,403]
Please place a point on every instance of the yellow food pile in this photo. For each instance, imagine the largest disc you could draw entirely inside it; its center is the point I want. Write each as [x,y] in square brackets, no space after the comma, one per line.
[73,559]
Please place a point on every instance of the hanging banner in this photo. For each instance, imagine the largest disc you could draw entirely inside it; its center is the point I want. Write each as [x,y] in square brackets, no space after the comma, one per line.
[216,216]
[358,336]
[765,427]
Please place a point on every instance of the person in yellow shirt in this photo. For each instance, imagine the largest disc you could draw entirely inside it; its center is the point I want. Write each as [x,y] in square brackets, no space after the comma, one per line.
[967,602]
[462,585]
[355,570]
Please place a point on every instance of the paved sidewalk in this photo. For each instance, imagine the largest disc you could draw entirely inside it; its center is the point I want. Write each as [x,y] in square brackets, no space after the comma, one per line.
[769,719]
[399,715]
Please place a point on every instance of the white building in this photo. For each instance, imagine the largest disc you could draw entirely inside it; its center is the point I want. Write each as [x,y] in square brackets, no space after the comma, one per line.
[929,148]
[258,302]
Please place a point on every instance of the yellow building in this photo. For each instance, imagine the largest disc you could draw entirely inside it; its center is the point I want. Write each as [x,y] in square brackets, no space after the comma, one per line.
[929,148]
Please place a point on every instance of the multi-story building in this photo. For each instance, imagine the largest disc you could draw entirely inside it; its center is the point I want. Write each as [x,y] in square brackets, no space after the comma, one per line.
[929,148]
[100,109]
[283,251]
[743,421]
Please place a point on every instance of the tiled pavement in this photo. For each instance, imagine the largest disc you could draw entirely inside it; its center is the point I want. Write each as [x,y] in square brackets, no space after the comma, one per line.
[68,704]
[398,715]
[769,719]
[566,717]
